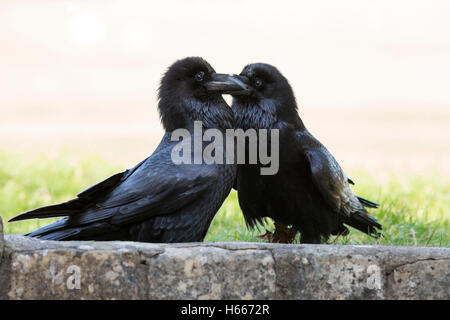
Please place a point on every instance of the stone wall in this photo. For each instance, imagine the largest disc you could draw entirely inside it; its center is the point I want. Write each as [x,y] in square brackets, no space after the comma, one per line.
[36,269]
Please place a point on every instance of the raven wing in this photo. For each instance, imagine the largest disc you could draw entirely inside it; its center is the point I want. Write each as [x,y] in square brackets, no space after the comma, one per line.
[85,198]
[333,184]
[98,190]
[155,188]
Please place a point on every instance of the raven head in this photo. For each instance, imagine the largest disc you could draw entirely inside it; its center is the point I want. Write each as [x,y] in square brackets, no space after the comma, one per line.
[191,90]
[268,99]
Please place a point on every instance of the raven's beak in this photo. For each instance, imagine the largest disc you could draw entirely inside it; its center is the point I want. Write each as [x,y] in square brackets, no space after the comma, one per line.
[225,83]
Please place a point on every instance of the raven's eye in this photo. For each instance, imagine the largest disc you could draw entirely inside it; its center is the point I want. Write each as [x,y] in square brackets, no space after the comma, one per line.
[258,82]
[199,76]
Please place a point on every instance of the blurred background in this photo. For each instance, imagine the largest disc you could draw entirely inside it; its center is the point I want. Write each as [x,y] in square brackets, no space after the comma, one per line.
[372,78]
[79,80]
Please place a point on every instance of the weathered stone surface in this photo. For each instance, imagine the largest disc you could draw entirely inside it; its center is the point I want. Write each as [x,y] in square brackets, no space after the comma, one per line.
[418,274]
[329,272]
[73,270]
[211,273]
[1,238]
[35,269]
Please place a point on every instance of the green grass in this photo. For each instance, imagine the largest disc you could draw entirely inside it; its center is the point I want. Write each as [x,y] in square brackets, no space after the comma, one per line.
[413,211]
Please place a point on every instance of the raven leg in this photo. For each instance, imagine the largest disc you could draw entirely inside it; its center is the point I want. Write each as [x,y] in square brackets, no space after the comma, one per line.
[310,238]
[281,234]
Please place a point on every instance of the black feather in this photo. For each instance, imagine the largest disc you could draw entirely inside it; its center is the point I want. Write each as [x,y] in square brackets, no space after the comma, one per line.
[367,203]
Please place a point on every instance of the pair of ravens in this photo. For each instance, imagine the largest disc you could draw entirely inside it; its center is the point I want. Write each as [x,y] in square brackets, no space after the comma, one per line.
[160,201]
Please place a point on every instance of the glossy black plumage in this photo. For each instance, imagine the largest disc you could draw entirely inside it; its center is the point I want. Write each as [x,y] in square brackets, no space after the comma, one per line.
[310,191]
[157,200]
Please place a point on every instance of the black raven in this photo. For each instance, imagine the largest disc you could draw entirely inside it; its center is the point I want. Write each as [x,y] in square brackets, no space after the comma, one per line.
[157,200]
[310,191]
